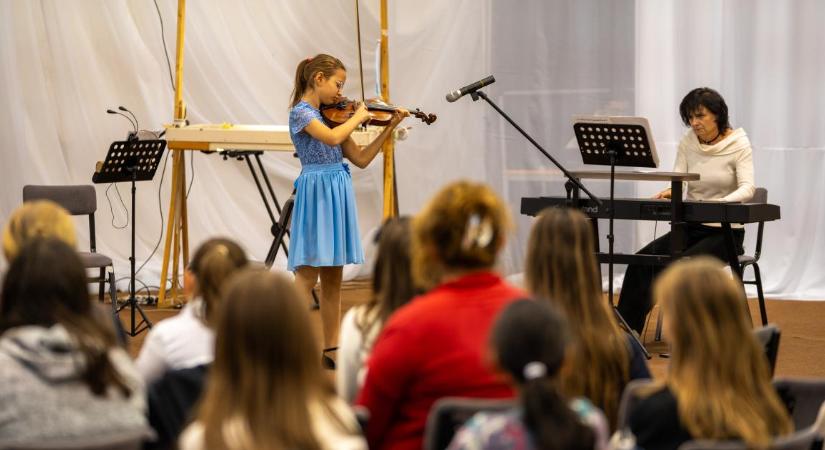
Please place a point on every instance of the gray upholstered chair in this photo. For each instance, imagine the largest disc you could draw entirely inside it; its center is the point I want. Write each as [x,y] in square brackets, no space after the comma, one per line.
[803,397]
[131,440]
[801,440]
[448,414]
[769,336]
[78,200]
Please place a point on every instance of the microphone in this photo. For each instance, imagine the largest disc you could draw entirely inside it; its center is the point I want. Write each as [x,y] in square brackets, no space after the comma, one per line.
[469,89]
[132,134]
[137,127]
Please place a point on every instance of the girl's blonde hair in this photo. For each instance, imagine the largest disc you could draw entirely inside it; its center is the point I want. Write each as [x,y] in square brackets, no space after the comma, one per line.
[37,219]
[718,371]
[306,70]
[561,268]
[266,373]
[462,227]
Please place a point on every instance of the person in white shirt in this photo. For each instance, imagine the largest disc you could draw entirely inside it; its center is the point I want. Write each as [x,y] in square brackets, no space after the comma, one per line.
[723,158]
[187,340]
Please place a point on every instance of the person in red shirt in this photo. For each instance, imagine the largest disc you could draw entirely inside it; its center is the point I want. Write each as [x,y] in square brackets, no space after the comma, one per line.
[435,346]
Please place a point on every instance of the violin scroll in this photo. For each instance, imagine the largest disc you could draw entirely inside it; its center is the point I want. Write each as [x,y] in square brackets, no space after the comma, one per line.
[426,118]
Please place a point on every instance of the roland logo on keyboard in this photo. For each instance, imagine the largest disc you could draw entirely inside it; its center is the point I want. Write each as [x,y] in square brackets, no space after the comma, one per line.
[591,210]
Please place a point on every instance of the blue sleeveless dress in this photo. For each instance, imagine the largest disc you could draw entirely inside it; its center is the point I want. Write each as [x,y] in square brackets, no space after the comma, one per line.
[324,228]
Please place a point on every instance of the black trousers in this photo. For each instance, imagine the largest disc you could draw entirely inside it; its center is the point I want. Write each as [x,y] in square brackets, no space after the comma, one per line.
[635,297]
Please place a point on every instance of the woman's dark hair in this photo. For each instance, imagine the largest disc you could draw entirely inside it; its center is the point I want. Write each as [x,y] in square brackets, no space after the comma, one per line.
[392,282]
[711,100]
[46,286]
[530,332]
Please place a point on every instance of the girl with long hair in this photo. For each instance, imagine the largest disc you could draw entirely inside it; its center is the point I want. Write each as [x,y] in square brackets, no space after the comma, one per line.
[63,375]
[718,385]
[528,345]
[433,347]
[266,389]
[324,230]
[392,288]
[187,340]
[561,268]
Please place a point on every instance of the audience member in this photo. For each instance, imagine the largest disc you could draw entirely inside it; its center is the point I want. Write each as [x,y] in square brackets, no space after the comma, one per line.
[171,402]
[37,219]
[528,343]
[561,268]
[63,376]
[435,346]
[392,287]
[266,388]
[187,339]
[718,385]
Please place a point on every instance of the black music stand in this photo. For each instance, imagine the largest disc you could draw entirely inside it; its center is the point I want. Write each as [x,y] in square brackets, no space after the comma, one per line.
[131,161]
[615,141]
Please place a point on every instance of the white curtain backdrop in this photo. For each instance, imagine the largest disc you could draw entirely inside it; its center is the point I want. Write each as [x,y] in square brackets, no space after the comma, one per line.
[65,63]
[766,58]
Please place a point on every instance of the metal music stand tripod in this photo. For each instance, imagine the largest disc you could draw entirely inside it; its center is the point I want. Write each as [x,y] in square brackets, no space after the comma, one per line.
[131,161]
[615,141]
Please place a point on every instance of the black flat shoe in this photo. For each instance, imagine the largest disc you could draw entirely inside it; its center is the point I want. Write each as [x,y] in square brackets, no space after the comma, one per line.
[326,361]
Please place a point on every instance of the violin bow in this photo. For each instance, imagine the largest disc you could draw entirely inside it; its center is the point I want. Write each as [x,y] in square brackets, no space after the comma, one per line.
[390,183]
[360,61]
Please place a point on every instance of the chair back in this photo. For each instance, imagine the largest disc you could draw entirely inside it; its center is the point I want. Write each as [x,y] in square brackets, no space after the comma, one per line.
[769,336]
[802,397]
[630,398]
[120,441]
[77,199]
[448,414]
[801,440]
[760,195]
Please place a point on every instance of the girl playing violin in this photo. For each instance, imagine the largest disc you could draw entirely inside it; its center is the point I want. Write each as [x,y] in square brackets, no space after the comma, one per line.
[324,234]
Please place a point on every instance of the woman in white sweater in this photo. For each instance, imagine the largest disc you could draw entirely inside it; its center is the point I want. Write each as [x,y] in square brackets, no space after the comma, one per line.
[723,158]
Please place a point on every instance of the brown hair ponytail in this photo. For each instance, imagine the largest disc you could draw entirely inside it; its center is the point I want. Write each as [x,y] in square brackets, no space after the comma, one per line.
[306,70]
[529,339]
[214,261]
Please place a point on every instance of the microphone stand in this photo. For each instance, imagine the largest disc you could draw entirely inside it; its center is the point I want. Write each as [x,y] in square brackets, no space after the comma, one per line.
[571,179]
[571,183]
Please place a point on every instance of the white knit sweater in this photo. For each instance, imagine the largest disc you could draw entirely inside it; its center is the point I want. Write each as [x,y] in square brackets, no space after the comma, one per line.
[725,168]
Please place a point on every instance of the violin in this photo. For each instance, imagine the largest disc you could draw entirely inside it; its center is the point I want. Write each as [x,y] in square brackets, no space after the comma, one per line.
[380,113]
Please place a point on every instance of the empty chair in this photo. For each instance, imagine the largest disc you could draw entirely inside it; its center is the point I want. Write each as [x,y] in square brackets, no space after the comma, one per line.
[79,200]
